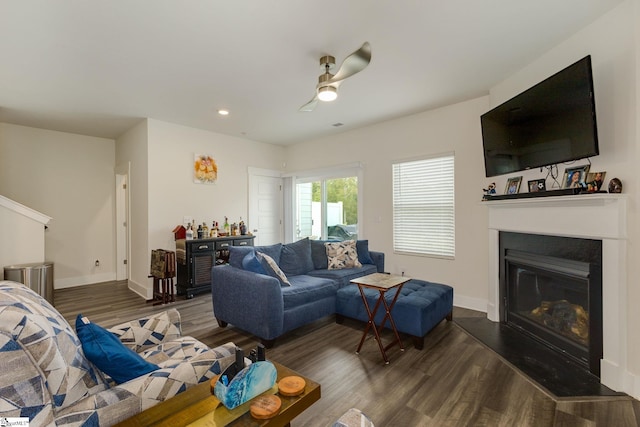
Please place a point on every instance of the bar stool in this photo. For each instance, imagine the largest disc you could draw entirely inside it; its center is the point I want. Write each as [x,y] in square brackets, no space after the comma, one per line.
[163,270]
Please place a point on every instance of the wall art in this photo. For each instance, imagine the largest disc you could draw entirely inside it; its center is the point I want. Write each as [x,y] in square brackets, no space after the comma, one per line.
[205,169]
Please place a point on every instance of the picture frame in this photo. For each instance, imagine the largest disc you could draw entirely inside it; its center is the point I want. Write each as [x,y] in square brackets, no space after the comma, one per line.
[595,180]
[575,177]
[205,169]
[537,185]
[513,185]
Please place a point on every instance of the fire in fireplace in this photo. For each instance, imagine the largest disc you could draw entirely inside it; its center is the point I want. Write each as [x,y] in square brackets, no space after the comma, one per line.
[551,289]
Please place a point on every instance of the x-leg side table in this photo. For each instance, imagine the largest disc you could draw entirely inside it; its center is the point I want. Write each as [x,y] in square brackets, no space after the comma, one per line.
[382,283]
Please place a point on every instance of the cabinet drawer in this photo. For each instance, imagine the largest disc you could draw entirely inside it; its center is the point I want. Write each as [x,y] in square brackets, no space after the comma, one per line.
[243,242]
[202,247]
[224,244]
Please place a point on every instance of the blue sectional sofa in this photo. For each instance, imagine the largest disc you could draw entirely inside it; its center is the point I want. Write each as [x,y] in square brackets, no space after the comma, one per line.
[260,304]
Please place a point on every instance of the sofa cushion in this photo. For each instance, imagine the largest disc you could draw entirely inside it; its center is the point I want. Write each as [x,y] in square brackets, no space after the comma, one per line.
[343,276]
[319,255]
[342,255]
[295,258]
[184,363]
[305,289]
[251,263]
[106,351]
[362,246]
[272,269]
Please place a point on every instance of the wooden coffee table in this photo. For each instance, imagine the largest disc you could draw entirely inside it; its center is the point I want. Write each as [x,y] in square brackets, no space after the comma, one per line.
[382,283]
[199,408]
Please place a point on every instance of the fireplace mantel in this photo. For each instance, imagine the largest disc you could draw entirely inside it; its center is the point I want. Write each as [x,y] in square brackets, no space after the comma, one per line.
[591,216]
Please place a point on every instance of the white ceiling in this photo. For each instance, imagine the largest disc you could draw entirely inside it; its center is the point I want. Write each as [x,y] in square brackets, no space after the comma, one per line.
[97,67]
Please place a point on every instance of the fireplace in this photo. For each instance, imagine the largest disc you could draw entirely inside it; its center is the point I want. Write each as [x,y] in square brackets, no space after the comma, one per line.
[601,217]
[551,290]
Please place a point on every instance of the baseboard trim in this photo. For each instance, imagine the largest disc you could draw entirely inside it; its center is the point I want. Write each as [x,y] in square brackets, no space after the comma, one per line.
[477,304]
[72,282]
[140,289]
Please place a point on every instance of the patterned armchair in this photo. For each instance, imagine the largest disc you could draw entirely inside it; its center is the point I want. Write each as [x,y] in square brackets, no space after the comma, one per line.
[46,377]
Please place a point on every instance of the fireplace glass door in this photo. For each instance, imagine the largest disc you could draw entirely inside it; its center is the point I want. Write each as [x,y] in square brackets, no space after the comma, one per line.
[548,298]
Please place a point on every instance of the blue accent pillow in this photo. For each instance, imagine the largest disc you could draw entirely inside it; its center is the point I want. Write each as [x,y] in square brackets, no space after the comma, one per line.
[252,263]
[106,351]
[237,254]
[319,255]
[295,258]
[362,247]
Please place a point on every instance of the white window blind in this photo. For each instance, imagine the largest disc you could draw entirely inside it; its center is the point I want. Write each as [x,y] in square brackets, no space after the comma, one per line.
[423,207]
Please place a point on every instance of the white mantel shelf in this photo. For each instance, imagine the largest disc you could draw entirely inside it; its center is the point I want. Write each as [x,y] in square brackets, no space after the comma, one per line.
[586,199]
[600,216]
[595,199]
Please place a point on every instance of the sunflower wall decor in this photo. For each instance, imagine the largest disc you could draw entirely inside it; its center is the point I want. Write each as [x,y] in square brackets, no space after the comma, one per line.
[205,169]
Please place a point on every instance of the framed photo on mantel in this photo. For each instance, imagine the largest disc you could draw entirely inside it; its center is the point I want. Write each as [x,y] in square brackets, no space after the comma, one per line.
[513,185]
[537,185]
[575,177]
[594,181]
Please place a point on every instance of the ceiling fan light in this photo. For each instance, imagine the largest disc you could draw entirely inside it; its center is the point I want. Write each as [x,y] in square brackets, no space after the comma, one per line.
[327,93]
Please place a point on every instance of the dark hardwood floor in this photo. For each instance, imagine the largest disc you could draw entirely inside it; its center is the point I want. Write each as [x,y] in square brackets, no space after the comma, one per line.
[454,381]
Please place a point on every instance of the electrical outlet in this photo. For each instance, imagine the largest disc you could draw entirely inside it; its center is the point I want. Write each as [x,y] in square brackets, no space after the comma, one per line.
[97,263]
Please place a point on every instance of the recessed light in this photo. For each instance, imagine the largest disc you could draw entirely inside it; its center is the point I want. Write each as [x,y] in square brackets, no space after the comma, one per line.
[223,112]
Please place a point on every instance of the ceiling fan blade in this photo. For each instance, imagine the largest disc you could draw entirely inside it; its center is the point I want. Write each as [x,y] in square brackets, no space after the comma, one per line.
[353,63]
[311,105]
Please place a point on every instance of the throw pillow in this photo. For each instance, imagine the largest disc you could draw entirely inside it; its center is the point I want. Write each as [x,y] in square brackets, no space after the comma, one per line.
[106,352]
[295,258]
[253,264]
[272,269]
[237,254]
[319,255]
[362,246]
[342,255]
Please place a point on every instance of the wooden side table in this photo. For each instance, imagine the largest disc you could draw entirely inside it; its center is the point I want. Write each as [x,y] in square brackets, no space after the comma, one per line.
[382,283]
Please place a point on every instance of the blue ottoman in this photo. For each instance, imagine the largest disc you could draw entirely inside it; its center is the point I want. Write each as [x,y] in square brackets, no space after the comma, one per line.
[419,308]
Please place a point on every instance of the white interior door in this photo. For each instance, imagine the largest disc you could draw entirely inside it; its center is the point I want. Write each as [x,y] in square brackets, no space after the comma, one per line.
[265,206]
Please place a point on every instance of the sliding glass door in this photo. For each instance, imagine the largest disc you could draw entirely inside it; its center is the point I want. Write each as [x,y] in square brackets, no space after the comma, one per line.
[327,208]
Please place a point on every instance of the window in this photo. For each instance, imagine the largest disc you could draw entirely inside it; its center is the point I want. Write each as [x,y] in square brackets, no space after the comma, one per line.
[327,205]
[328,209]
[423,207]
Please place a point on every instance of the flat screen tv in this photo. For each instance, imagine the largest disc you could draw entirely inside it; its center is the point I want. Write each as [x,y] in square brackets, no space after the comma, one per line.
[550,123]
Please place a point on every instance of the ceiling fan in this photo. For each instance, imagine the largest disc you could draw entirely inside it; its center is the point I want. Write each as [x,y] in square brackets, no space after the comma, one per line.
[327,87]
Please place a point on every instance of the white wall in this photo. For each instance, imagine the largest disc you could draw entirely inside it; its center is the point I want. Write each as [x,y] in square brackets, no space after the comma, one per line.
[70,178]
[610,42]
[131,157]
[455,128]
[613,43]
[171,189]
[173,194]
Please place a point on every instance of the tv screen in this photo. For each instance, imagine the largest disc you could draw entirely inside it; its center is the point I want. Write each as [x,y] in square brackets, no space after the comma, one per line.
[550,123]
